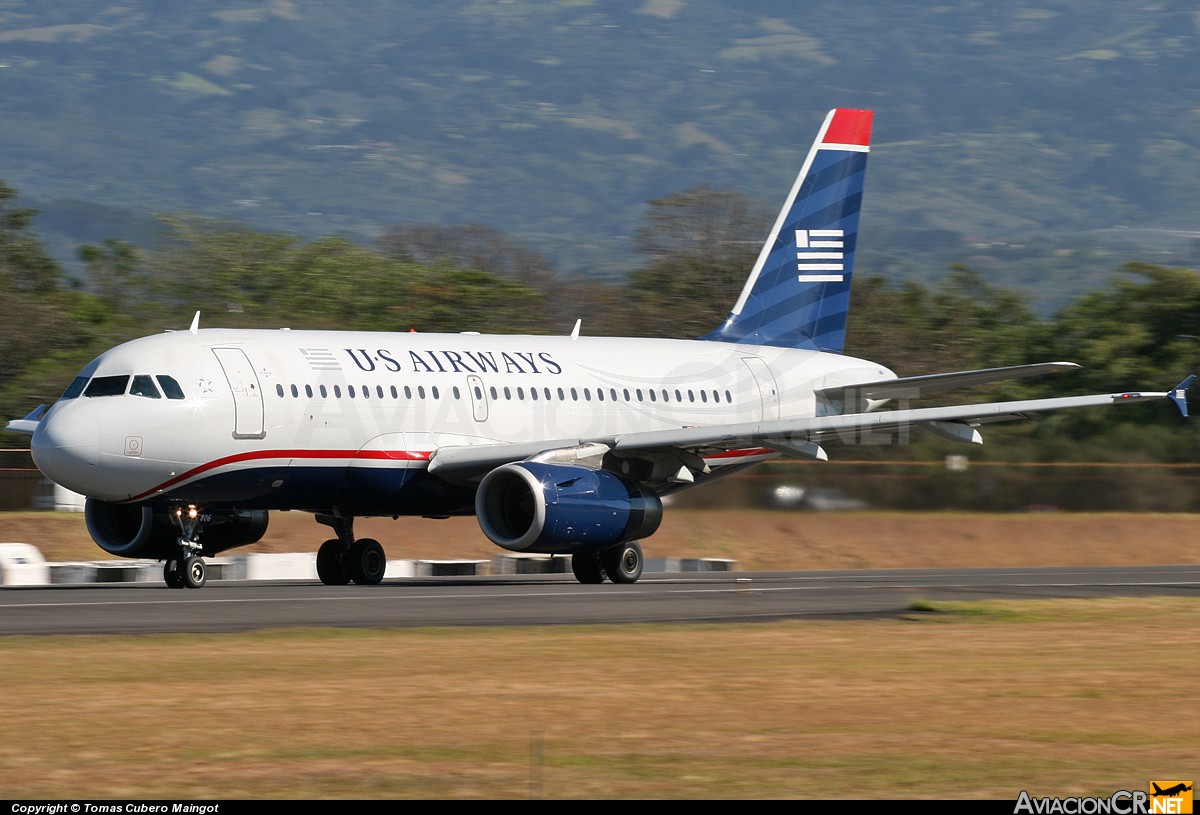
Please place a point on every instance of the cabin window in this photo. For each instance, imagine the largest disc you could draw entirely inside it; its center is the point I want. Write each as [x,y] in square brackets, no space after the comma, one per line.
[420,391]
[533,394]
[295,392]
[75,388]
[600,394]
[379,391]
[703,396]
[279,390]
[521,394]
[457,393]
[337,391]
[626,394]
[507,393]
[407,392]
[728,396]
[143,385]
[324,393]
[308,391]
[716,396]
[639,394]
[395,393]
[433,391]
[107,386]
[170,387]
[653,397]
[492,390]
[562,397]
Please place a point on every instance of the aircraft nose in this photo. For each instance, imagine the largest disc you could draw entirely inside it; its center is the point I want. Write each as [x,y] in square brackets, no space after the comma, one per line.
[66,448]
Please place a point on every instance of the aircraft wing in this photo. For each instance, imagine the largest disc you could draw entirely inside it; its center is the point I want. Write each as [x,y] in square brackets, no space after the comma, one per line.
[796,437]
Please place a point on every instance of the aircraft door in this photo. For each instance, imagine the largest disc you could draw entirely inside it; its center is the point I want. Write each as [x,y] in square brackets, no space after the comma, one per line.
[768,391]
[247,396]
[479,403]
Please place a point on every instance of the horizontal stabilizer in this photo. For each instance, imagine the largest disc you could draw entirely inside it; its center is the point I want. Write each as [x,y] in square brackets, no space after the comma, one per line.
[913,387]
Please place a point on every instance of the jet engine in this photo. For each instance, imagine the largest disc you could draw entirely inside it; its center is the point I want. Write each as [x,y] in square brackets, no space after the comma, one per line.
[557,508]
[139,530]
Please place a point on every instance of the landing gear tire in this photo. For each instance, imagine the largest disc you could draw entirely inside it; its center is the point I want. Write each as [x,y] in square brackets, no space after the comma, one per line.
[195,573]
[587,568]
[172,574]
[331,565]
[623,563]
[366,562]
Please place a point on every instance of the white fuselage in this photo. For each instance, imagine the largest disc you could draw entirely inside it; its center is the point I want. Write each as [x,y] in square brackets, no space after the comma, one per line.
[281,419]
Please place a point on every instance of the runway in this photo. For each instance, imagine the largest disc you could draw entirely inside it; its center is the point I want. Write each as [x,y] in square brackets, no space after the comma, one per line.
[557,599]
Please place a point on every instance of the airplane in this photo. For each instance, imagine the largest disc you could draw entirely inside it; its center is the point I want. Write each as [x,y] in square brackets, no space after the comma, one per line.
[183,442]
[1170,791]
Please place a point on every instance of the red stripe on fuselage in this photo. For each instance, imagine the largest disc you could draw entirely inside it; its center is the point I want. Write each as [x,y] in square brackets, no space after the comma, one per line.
[350,456]
[260,455]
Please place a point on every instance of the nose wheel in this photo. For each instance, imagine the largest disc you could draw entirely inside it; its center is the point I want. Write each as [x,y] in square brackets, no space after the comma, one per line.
[188,570]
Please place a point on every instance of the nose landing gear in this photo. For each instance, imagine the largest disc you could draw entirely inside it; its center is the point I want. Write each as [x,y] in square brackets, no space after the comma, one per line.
[188,570]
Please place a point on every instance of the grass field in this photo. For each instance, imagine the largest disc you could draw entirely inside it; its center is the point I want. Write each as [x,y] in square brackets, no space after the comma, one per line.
[977,700]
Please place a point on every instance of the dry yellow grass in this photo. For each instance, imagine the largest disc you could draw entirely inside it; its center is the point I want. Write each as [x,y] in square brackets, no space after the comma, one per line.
[1063,698]
[758,540]
[1058,698]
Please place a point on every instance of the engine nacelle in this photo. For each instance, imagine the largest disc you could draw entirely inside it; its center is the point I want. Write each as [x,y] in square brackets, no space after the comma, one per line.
[138,530]
[559,508]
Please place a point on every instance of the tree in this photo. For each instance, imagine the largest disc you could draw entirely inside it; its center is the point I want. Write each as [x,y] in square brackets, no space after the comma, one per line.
[701,246]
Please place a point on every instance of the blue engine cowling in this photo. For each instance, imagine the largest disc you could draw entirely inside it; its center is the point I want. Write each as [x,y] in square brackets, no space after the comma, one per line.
[559,508]
[141,531]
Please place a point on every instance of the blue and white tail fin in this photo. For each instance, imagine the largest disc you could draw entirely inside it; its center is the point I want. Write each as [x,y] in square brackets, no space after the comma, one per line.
[798,294]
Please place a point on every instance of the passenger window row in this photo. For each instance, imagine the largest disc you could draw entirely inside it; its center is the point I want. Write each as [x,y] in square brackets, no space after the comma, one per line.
[519,394]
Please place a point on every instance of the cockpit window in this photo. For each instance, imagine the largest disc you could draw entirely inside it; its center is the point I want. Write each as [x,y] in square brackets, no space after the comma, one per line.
[75,388]
[170,387]
[107,386]
[143,385]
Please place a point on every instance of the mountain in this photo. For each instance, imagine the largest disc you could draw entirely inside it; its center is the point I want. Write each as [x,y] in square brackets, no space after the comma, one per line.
[1043,142]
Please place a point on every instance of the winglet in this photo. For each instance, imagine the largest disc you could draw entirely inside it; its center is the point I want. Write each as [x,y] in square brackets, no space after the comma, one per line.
[195,323]
[1178,395]
[29,423]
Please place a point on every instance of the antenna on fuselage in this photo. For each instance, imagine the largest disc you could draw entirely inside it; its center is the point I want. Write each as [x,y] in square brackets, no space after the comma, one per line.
[195,323]
[575,330]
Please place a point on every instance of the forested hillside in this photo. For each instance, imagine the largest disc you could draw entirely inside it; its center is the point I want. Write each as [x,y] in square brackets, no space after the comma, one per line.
[1140,332]
[1043,143]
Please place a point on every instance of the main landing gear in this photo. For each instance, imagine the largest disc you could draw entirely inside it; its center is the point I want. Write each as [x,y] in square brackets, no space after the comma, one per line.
[187,570]
[621,564]
[343,559]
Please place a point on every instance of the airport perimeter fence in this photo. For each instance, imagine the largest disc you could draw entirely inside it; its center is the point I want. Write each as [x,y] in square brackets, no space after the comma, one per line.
[955,483]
